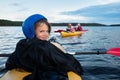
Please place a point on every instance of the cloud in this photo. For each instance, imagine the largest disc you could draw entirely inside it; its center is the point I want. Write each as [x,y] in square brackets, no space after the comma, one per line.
[15,4]
[67,18]
[107,1]
[18,7]
[109,13]
[22,9]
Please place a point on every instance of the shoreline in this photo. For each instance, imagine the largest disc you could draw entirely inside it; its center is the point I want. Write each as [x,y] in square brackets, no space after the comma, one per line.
[19,23]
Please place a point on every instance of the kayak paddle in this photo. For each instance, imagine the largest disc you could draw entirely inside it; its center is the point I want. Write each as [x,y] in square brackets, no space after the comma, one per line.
[112,51]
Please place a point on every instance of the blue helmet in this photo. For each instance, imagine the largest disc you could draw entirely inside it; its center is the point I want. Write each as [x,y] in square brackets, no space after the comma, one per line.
[28,25]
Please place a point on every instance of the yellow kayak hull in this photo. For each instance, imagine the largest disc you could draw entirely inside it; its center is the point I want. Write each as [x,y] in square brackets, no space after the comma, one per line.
[19,75]
[69,34]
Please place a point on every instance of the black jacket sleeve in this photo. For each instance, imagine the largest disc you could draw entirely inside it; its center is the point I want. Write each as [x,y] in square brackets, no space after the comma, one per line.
[42,55]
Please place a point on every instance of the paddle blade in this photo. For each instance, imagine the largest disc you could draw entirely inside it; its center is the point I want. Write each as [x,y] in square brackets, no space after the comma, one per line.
[114,51]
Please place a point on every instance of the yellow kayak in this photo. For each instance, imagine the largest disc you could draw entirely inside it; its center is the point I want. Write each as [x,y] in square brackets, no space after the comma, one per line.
[18,75]
[69,34]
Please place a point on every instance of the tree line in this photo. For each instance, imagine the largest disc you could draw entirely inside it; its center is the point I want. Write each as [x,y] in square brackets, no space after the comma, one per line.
[19,23]
[10,23]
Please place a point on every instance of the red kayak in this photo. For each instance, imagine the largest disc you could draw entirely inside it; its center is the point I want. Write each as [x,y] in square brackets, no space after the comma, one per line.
[64,30]
[59,31]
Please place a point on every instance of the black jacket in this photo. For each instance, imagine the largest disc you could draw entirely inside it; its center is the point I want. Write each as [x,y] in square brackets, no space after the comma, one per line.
[38,56]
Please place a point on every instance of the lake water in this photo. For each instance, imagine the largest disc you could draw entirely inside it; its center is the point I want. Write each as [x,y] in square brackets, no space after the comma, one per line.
[96,67]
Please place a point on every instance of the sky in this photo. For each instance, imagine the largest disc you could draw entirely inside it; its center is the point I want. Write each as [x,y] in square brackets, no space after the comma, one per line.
[80,11]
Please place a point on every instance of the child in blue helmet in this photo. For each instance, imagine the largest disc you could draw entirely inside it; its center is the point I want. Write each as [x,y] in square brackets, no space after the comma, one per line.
[35,54]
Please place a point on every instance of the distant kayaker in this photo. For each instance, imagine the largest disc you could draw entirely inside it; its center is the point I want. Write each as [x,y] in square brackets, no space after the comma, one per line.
[36,54]
[70,28]
[78,27]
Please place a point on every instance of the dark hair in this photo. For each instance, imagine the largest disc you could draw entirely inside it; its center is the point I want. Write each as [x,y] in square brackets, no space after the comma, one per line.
[43,21]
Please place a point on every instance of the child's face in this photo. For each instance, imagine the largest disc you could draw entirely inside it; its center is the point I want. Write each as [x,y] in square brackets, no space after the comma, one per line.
[41,32]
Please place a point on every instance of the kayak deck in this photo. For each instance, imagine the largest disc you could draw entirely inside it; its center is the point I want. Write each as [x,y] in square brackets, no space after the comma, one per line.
[14,75]
[19,75]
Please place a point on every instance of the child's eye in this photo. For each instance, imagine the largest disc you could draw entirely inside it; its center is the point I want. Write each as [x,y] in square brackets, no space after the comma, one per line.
[44,31]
